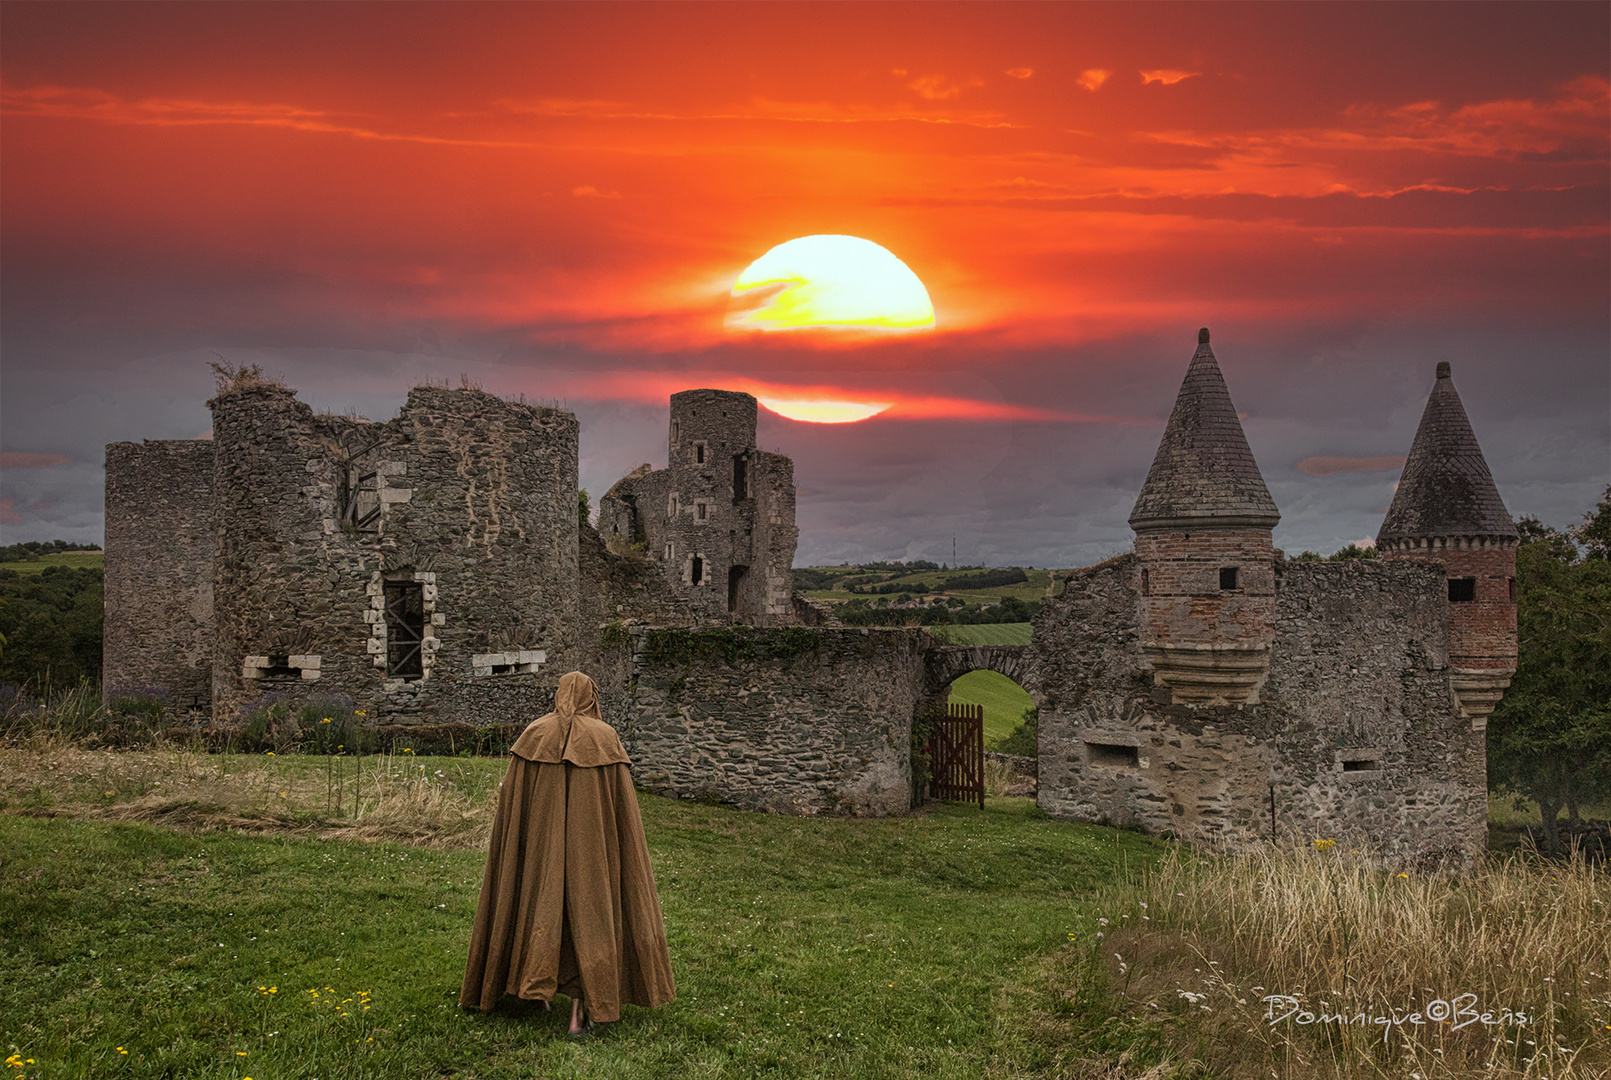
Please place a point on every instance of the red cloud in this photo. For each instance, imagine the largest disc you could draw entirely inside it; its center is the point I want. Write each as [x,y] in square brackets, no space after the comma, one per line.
[1167,76]
[14,459]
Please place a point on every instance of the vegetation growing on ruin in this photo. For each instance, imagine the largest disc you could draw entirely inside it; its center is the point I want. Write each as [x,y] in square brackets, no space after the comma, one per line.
[729,645]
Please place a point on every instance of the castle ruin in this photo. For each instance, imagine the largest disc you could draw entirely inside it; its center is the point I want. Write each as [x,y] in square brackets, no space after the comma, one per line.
[435,569]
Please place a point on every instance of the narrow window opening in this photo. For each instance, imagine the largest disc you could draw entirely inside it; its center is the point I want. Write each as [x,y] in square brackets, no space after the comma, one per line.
[671,552]
[1361,764]
[1227,577]
[503,669]
[280,667]
[1146,583]
[735,586]
[1462,590]
[405,629]
[741,477]
[699,453]
[1112,754]
[673,505]
[674,429]
[701,511]
[696,571]
[1512,590]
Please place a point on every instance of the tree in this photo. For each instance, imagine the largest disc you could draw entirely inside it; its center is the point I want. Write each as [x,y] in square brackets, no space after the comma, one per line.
[1551,735]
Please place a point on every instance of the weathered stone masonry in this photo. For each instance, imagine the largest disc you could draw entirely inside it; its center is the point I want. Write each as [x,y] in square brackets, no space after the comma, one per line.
[796,720]
[159,569]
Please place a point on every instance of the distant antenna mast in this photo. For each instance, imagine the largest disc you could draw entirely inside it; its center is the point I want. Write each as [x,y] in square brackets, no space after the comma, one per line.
[953,551]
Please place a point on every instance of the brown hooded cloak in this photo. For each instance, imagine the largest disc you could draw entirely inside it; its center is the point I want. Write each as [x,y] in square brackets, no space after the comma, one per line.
[568,901]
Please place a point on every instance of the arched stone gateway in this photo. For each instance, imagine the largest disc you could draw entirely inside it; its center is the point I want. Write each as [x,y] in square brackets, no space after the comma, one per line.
[943,664]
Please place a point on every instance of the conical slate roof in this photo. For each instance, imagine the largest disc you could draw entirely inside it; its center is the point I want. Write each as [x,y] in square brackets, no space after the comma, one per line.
[1204,471]
[1446,488]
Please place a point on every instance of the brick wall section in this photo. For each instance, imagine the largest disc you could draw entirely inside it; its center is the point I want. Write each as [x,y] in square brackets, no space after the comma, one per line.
[1482,632]
[766,720]
[469,496]
[719,501]
[1358,673]
[159,582]
[1184,604]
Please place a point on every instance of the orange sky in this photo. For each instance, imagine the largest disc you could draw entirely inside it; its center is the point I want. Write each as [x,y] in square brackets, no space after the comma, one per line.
[571,189]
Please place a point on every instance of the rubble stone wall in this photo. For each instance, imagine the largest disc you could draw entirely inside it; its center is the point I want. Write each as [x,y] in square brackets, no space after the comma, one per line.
[465,497]
[158,570]
[793,720]
[1355,735]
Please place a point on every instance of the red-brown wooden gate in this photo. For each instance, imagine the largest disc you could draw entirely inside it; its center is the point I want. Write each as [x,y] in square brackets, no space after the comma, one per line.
[956,755]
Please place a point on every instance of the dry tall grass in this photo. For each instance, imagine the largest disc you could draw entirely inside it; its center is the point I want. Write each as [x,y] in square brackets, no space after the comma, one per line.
[382,797]
[1318,963]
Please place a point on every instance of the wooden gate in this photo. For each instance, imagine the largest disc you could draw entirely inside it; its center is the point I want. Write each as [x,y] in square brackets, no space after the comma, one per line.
[956,753]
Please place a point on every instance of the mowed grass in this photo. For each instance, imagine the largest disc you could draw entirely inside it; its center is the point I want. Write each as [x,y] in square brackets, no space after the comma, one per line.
[1004,702]
[79,560]
[802,947]
[1015,633]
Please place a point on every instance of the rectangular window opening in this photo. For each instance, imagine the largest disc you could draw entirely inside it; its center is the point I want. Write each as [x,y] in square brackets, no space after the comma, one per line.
[741,477]
[671,552]
[1146,583]
[1227,577]
[405,629]
[1512,590]
[1115,755]
[504,669]
[1361,764]
[1462,590]
[699,453]
[280,667]
[735,586]
[696,571]
[701,511]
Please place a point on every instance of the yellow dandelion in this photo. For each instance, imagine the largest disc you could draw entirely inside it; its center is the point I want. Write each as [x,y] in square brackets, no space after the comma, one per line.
[121,1050]
[240,1053]
[326,720]
[268,753]
[359,712]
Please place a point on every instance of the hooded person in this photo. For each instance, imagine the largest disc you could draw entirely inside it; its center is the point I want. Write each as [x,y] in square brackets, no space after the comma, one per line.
[568,902]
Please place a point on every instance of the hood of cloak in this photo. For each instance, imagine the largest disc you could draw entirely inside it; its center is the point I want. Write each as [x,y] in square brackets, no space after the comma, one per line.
[575,731]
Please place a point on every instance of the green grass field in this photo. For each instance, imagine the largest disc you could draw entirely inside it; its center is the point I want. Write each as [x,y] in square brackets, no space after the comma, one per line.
[1004,702]
[93,560]
[802,948]
[986,633]
[1033,589]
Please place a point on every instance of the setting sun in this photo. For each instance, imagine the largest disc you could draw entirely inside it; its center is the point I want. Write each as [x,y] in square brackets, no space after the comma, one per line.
[830,282]
[825,411]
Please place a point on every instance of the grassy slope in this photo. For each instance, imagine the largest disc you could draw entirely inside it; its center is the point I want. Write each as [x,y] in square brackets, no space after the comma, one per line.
[1033,589]
[802,947]
[78,559]
[1004,702]
[1016,633]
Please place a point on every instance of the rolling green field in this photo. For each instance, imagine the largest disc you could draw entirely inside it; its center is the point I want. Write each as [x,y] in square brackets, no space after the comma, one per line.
[1004,702]
[802,947]
[1033,589]
[985,633]
[93,560]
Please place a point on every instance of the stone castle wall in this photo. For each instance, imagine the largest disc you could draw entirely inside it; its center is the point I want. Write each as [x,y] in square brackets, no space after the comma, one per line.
[1355,733]
[791,720]
[464,506]
[158,578]
[719,519]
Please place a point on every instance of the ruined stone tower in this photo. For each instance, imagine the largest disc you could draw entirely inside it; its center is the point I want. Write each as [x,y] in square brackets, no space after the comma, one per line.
[719,518]
[1202,525]
[1447,508]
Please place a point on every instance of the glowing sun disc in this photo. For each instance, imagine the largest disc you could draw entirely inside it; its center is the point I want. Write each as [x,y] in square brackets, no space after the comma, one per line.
[830,282]
[824,411]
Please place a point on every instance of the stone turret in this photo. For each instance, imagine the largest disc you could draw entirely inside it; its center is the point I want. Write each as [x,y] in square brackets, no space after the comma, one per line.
[1207,564]
[1447,508]
[719,518]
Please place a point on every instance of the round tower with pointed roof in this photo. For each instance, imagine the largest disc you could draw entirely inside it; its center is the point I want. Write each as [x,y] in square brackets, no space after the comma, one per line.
[1447,508]
[1202,524]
